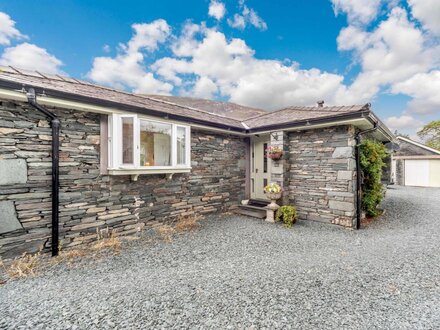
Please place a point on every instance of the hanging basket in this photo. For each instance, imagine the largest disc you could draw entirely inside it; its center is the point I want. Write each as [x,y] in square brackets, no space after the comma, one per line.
[275,156]
[274,152]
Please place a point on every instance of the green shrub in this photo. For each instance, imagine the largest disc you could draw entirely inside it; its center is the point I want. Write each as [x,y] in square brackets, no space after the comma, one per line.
[288,214]
[372,160]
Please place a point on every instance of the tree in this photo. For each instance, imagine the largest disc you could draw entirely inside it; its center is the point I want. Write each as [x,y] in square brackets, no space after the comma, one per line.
[430,133]
[397,133]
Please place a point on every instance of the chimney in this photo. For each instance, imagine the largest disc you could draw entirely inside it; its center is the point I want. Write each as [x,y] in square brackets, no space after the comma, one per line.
[320,104]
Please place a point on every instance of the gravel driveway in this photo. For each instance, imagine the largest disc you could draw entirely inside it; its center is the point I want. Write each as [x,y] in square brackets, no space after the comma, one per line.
[242,273]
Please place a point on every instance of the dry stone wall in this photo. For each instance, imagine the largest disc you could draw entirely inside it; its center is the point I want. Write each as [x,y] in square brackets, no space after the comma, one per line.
[91,201]
[322,176]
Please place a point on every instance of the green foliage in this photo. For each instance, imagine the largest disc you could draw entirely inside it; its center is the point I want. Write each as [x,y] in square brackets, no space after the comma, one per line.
[372,160]
[288,214]
[430,133]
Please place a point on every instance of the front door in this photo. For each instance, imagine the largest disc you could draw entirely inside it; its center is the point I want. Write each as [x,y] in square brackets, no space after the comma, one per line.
[260,166]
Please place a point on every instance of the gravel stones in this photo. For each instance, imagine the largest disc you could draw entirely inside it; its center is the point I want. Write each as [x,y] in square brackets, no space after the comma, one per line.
[240,273]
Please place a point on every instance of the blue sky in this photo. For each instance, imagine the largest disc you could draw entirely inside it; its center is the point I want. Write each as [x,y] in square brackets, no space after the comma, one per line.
[267,54]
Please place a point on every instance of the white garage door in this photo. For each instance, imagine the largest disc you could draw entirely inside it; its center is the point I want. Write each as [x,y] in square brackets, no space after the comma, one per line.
[422,172]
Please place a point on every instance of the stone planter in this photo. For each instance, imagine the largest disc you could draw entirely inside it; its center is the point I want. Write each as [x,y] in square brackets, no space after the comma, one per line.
[273,206]
[274,197]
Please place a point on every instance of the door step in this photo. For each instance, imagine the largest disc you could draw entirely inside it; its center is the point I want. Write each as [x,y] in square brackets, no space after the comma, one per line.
[252,210]
[258,202]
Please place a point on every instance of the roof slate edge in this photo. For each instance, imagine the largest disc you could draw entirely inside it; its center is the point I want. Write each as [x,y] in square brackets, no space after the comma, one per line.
[418,144]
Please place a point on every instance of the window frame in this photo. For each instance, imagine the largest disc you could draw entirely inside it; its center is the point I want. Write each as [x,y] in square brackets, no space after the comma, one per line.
[115,145]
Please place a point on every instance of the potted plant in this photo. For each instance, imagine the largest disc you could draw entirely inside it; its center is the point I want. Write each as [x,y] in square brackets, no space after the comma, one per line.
[273,192]
[274,152]
[288,214]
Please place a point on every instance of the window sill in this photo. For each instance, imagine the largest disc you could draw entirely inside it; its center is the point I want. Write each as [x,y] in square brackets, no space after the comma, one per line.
[135,172]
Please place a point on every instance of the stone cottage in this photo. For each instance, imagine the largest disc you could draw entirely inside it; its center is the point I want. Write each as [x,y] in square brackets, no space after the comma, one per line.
[127,161]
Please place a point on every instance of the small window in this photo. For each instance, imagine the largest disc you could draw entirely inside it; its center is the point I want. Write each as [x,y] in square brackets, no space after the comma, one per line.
[138,143]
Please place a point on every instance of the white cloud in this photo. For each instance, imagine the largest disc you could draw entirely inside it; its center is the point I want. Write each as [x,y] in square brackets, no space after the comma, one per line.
[8,30]
[31,57]
[403,123]
[385,56]
[185,44]
[358,11]
[106,48]
[204,88]
[127,69]
[428,12]
[25,55]
[238,22]
[248,16]
[217,9]
[228,67]
[425,90]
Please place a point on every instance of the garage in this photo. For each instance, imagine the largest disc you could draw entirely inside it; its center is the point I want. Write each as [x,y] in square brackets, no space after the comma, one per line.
[415,164]
[422,172]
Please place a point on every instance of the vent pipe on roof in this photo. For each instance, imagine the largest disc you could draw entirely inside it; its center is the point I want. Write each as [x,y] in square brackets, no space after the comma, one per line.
[320,104]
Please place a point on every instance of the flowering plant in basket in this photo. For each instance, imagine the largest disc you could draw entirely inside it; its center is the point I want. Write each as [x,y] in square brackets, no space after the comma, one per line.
[274,152]
[273,191]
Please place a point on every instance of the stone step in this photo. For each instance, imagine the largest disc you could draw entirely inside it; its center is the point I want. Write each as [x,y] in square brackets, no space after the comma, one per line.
[251,211]
[258,202]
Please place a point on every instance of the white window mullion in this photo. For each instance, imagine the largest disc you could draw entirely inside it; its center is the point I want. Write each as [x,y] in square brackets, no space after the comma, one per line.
[188,146]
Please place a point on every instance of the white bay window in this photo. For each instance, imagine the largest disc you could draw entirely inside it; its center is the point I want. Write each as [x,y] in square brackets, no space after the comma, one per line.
[139,145]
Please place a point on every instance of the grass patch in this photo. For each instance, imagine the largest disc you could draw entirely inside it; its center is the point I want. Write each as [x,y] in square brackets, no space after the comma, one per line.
[166,232]
[22,267]
[183,224]
[107,240]
[187,223]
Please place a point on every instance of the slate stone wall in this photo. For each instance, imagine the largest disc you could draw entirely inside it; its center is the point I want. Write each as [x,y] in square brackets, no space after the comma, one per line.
[91,201]
[322,174]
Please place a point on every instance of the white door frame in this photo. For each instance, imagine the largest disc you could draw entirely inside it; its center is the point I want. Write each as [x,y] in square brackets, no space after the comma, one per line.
[260,166]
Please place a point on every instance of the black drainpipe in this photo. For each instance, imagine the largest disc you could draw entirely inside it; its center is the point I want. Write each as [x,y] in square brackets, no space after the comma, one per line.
[55,124]
[359,173]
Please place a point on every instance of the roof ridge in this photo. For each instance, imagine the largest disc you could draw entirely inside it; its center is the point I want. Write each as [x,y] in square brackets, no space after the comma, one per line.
[202,99]
[185,107]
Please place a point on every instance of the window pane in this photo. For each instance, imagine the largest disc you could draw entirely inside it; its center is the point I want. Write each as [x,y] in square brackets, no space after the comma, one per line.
[127,140]
[155,144]
[181,145]
[265,158]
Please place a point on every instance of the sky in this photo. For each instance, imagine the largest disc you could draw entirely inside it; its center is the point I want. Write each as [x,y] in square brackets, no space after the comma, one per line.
[259,53]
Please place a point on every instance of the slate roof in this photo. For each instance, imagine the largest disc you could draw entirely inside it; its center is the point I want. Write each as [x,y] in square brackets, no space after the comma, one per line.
[301,113]
[50,83]
[227,109]
[215,113]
